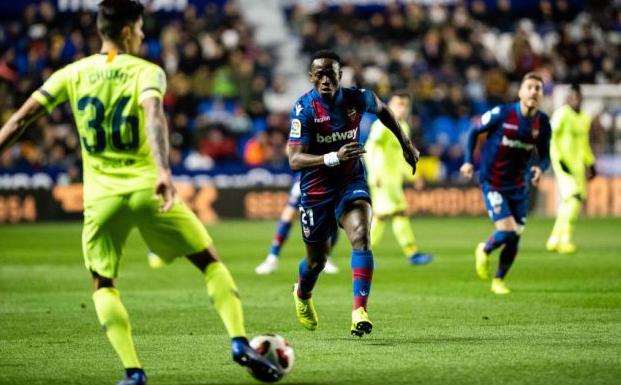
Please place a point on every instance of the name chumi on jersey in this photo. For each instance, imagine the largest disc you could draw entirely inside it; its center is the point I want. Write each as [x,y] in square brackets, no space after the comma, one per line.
[337,136]
[516,144]
[107,74]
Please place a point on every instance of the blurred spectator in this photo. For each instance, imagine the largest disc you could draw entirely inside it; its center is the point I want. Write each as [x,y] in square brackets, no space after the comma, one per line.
[225,104]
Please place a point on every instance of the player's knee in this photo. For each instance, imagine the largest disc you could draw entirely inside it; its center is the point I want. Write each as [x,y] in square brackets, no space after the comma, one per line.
[317,265]
[359,237]
[512,238]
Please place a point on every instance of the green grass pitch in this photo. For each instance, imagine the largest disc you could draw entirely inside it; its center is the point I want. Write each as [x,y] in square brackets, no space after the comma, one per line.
[435,324]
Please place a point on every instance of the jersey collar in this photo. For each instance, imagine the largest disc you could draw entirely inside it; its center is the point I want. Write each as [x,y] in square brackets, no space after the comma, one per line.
[337,99]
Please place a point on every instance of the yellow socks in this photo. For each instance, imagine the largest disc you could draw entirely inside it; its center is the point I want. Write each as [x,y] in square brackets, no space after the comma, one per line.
[115,321]
[570,209]
[405,236]
[225,298]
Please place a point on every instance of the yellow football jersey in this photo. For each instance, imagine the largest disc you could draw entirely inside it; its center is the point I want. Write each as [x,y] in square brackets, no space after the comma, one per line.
[105,92]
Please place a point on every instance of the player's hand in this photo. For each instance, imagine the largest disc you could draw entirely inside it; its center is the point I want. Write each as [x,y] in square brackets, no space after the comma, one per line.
[591,172]
[467,170]
[165,188]
[411,155]
[536,171]
[349,151]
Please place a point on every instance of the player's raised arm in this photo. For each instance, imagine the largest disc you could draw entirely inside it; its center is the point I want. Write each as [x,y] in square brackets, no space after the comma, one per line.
[385,115]
[29,112]
[488,121]
[157,132]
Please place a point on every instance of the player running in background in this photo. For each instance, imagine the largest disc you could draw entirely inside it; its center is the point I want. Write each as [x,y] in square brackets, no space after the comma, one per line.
[386,174]
[116,100]
[513,131]
[324,146]
[573,162]
[288,215]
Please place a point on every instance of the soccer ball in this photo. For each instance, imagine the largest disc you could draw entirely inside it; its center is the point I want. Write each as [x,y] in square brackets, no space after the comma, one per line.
[275,349]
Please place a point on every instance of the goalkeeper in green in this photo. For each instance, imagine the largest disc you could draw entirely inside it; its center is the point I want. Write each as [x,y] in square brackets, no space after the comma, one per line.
[387,171]
[573,162]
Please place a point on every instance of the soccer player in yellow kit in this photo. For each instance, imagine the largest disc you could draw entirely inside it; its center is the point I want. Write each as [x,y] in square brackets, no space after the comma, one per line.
[386,173]
[116,100]
[573,162]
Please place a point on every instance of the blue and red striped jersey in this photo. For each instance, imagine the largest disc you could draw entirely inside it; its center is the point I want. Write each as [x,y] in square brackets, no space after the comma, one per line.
[322,127]
[512,140]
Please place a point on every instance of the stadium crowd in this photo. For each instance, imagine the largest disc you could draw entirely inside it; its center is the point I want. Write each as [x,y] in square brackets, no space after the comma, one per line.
[225,103]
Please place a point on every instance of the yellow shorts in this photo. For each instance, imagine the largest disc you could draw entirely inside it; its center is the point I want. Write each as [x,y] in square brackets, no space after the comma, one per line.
[570,184]
[388,199]
[108,221]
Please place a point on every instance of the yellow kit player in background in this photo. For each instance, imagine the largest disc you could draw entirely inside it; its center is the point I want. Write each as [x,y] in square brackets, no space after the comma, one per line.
[116,100]
[573,162]
[387,170]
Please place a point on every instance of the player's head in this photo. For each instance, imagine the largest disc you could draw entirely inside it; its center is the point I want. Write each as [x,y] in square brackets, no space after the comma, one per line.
[120,21]
[531,90]
[574,98]
[325,72]
[399,103]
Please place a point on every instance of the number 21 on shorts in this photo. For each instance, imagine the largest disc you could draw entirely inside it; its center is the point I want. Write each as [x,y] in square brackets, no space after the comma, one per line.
[307,219]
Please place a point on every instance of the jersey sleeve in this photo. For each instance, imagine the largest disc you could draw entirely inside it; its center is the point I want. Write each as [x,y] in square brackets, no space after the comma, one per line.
[54,91]
[152,83]
[299,132]
[488,122]
[368,101]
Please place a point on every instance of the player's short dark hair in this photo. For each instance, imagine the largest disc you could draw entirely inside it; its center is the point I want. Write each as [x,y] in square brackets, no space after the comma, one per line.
[325,54]
[532,75]
[113,15]
[575,87]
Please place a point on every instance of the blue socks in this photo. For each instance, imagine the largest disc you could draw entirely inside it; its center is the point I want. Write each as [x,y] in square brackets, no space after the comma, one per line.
[281,235]
[362,274]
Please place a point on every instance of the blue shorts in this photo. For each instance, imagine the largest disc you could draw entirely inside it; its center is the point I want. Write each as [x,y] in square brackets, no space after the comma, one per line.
[505,203]
[320,220]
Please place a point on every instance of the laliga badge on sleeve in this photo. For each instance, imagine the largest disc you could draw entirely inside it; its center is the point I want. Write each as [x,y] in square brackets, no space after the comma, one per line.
[296,128]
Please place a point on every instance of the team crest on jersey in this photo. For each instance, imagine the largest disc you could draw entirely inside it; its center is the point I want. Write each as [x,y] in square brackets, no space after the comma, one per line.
[306,231]
[351,113]
[296,128]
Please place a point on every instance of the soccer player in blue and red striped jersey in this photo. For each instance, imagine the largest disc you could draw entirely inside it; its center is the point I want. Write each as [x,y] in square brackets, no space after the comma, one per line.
[514,131]
[324,145]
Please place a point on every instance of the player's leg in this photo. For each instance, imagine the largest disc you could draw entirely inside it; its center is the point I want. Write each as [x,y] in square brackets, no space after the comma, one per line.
[270,264]
[223,293]
[506,235]
[570,209]
[318,226]
[402,229]
[384,206]
[308,272]
[513,227]
[178,232]
[356,221]
[505,229]
[572,189]
[106,226]
[378,225]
